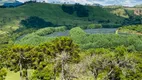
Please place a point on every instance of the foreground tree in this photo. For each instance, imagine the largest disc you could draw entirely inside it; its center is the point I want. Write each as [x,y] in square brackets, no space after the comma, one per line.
[3,71]
[66,51]
[62,51]
[116,65]
[19,59]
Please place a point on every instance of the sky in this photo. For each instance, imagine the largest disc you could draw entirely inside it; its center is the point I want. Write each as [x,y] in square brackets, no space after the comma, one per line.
[102,2]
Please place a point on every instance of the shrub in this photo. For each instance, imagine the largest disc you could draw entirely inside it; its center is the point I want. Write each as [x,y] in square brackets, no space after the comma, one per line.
[68,8]
[94,26]
[35,22]
[81,11]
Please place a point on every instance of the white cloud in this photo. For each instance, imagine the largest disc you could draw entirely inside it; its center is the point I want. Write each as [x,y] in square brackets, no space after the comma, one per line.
[102,2]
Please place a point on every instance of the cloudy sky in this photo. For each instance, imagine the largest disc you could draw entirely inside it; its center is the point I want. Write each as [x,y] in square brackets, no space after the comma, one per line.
[102,2]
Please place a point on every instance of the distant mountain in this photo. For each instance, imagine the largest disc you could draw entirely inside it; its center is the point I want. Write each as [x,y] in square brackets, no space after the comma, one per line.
[12,4]
[6,1]
[95,4]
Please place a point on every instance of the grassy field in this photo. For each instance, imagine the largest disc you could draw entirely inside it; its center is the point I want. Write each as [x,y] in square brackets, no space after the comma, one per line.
[16,76]
[12,76]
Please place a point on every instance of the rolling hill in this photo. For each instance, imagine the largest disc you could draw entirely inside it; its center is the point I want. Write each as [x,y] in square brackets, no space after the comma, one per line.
[80,15]
[54,13]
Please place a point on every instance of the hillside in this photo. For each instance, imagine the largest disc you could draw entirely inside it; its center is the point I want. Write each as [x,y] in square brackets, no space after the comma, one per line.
[42,41]
[54,13]
[58,15]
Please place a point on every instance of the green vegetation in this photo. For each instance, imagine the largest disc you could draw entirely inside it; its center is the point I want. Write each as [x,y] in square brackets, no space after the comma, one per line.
[62,58]
[29,52]
[3,72]
[132,29]
[80,10]
[86,41]
[128,13]
[94,26]
[55,14]
[35,22]
[138,6]
[39,36]
[120,12]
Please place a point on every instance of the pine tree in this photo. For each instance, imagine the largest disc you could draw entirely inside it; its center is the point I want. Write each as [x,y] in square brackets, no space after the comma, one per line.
[3,71]
[64,51]
[19,59]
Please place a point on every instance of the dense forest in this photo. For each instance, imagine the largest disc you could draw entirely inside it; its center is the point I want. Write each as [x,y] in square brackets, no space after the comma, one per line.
[76,56]
[59,42]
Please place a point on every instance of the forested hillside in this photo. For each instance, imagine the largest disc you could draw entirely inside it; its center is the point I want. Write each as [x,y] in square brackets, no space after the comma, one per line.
[55,14]
[42,41]
[77,56]
[66,14]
